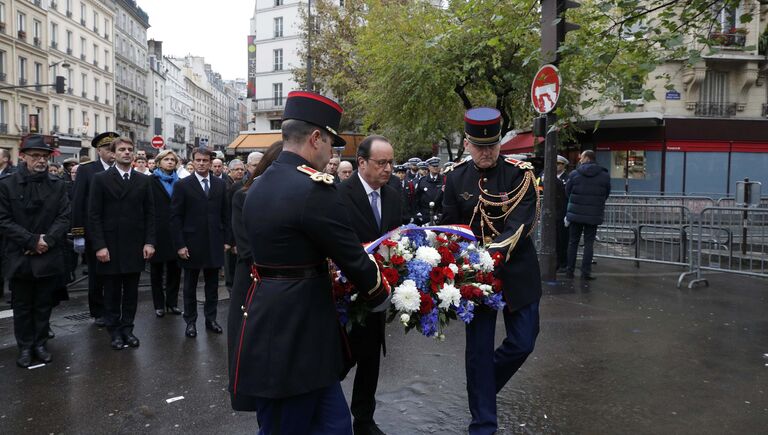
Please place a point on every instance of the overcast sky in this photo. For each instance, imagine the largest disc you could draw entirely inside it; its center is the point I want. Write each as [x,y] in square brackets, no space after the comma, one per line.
[214,29]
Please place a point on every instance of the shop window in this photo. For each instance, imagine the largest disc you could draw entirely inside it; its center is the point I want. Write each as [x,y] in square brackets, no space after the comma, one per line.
[628,164]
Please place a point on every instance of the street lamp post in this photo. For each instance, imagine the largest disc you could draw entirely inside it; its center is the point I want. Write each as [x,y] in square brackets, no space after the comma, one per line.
[310,28]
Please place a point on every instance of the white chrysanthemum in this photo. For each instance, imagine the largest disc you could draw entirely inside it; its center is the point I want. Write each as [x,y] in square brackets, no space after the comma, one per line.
[405,318]
[471,247]
[428,255]
[404,243]
[407,256]
[385,252]
[454,268]
[486,261]
[487,290]
[449,295]
[431,237]
[406,297]
[396,236]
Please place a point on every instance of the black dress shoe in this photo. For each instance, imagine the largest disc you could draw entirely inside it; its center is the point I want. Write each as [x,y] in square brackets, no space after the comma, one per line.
[159,313]
[25,358]
[130,339]
[42,354]
[99,322]
[51,334]
[173,310]
[367,429]
[588,277]
[117,343]
[191,331]
[213,326]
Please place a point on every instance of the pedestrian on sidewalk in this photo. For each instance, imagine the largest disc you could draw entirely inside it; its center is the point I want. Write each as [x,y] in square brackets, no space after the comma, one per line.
[34,219]
[121,222]
[587,190]
[165,262]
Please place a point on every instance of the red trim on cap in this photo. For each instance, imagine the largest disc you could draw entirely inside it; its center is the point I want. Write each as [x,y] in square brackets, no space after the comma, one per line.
[475,122]
[316,97]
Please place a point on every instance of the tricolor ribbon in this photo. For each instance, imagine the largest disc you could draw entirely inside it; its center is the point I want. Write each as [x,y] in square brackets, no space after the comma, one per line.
[458,230]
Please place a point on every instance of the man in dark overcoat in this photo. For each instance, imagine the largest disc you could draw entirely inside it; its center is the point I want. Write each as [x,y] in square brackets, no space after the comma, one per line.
[82,240]
[289,356]
[200,224]
[121,222]
[374,208]
[497,197]
[34,219]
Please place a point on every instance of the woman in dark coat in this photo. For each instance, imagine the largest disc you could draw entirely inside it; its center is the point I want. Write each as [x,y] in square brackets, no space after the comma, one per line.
[165,260]
[242,278]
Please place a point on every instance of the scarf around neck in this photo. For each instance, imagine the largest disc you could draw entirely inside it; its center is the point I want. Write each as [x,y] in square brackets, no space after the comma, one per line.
[167,181]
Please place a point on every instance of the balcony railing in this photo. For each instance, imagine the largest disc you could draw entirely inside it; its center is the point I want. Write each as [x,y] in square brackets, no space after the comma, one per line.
[270,104]
[22,82]
[25,129]
[734,38]
[3,77]
[55,129]
[715,110]
[54,45]
[3,128]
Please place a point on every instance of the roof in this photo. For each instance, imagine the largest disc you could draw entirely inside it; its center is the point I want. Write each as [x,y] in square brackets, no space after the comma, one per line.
[522,143]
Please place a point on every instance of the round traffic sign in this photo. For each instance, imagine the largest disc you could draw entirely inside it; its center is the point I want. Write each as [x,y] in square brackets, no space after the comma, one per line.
[545,89]
[158,142]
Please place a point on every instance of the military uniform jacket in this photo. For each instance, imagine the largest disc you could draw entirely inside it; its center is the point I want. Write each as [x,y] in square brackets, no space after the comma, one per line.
[429,190]
[80,196]
[121,218]
[289,342]
[199,222]
[22,223]
[520,271]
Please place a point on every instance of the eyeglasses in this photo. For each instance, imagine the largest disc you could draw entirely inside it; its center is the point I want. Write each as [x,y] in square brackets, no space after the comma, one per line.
[381,163]
[37,156]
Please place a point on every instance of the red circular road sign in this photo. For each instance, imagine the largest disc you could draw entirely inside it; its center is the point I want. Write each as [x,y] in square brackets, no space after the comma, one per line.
[545,89]
[158,142]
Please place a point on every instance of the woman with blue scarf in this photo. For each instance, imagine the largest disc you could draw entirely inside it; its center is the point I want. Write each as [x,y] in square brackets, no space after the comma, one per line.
[165,260]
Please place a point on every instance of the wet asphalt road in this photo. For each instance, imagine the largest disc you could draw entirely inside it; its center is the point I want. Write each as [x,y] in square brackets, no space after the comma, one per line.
[628,353]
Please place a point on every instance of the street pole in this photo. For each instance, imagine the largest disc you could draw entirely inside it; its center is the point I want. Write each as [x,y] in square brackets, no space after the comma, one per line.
[310,29]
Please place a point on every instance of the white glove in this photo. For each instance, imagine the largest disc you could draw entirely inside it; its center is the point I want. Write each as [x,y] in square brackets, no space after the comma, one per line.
[79,245]
[566,222]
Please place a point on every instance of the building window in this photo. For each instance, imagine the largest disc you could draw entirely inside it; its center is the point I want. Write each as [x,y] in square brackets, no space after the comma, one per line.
[278,59]
[69,42]
[24,113]
[96,87]
[82,48]
[82,13]
[54,34]
[107,123]
[277,94]
[274,124]
[96,128]
[2,66]
[38,73]
[71,120]
[278,27]
[95,21]
[85,121]
[278,2]
[55,117]
[95,54]
[628,164]
[2,13]
[21,22]
[69,8]
[632,92]
[36,25]
[4,114]
[22,71]
[84,84]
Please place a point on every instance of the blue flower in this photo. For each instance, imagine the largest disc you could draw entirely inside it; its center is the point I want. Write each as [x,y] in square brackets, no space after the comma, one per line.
[463,246]
[495,301]
[429,323]
[418,271]
[418,237]
[474,257]
[465,311]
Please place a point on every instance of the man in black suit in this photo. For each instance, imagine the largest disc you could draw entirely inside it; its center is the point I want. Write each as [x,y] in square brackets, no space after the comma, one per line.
[121,222]
[200,223]
[429,193]
[82,241]
[374,207]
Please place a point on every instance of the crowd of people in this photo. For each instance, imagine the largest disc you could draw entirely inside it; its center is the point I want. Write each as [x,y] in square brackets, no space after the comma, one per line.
[269,224]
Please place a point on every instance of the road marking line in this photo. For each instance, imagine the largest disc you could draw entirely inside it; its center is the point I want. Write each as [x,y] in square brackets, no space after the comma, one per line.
[173,399]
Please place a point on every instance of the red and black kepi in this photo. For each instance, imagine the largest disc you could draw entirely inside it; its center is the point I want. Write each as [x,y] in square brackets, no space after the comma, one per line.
[482,126]
[317,110]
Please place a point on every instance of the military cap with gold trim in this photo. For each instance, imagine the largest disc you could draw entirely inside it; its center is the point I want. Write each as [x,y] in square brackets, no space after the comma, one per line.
[317,110]
[104,139]
[482,126]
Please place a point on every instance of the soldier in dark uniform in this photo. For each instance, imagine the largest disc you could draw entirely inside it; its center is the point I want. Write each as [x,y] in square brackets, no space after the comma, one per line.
[413,169]
[289,353]
[497,198]
[429,191]
[34,219]
[82,241]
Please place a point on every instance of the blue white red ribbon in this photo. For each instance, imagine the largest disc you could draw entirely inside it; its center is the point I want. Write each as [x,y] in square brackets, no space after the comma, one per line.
[459,230]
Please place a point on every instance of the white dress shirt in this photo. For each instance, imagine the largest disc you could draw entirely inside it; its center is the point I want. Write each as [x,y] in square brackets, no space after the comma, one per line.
[200,180]
[368,190]
[122,173]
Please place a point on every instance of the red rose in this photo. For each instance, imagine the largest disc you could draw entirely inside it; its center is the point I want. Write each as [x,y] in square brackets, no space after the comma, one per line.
[378,257]
[497,285]
[446,257]
[469,291]
[498,257]
[389,243]
[397,260]
[427,303]
[454,247]
[448,273]
[391,275]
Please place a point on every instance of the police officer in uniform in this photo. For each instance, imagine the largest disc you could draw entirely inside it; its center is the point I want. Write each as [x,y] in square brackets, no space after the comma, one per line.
[429,191]
[497,198]
[289,354]
[413,169]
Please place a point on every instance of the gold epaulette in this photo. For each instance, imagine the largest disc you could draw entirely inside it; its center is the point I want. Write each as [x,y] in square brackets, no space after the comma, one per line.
[315,175]
[519,163]
[455,165]
[78,232]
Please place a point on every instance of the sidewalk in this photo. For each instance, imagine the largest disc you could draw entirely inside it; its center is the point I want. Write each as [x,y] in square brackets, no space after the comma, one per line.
[627,353]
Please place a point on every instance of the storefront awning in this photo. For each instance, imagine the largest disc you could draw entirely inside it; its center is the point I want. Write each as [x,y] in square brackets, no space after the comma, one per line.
[253,142]
[520,144]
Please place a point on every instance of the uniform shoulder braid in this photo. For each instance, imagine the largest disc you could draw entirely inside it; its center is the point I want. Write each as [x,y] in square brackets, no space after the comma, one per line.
[315,175]
[451,168]
[519,163]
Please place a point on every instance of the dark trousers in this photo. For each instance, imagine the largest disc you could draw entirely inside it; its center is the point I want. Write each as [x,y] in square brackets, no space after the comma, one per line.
[574,235]
[121,294]
[561,243]
[366,342]
[32,305]
[230,261]
[488,370]
[240,285]
[167,296]
[95,285]
[322,411]
[211,277]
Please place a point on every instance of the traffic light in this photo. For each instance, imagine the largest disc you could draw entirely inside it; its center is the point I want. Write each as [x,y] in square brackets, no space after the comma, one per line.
[554,27]
[60,84]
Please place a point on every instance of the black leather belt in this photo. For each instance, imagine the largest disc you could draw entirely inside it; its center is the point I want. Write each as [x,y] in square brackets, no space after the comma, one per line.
[292,272]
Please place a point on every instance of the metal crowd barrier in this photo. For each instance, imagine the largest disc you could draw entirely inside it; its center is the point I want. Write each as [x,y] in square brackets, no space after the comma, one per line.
[731,202]
[694,203]
[732,239]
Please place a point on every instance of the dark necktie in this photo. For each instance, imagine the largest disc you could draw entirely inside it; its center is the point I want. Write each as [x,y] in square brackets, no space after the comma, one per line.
[206,189]
[125,176]
[375,207]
